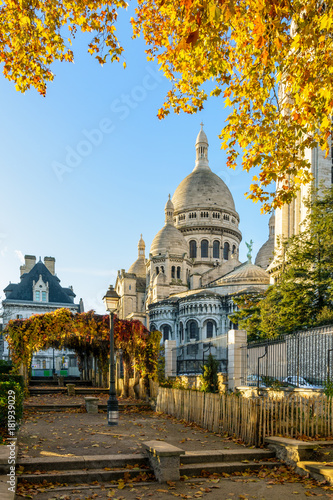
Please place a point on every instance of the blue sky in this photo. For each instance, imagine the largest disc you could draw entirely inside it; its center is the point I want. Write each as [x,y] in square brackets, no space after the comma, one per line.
[89,168]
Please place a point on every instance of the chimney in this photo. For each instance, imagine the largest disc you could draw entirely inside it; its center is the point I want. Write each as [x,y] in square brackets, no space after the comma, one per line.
[30,261]
[50,264]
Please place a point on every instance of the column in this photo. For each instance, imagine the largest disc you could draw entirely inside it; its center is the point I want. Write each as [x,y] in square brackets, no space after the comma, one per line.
[236,340]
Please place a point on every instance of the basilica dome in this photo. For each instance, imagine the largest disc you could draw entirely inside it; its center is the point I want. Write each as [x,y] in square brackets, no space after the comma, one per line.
[139,266]
[202,189]
[266,252]
[169,238]
[246,273]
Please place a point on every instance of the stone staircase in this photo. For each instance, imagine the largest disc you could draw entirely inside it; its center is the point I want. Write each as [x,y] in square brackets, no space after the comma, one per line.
[306,457]
[86,469]
[226,461]
[106,468]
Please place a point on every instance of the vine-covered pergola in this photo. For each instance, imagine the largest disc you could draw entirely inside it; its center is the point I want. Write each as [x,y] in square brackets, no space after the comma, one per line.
[88,334]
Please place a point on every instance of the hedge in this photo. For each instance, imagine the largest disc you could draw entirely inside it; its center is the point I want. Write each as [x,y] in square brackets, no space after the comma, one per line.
[7,377]
[5,387]
[5,366]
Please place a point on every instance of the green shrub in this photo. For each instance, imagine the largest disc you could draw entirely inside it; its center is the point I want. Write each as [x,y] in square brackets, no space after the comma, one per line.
[175,383]
[209,378]
[161,367]
[179,383]
[7,377]
[5,366]
[5,388]
[328,388]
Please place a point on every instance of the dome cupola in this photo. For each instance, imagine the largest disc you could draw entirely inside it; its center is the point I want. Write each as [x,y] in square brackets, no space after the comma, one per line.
[266,253]
[169,210]
[169,239]
[202,189]
[139,266]
[201,146]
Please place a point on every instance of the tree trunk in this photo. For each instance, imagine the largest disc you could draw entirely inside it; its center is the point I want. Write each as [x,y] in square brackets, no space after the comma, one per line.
[127,368]
[136,385]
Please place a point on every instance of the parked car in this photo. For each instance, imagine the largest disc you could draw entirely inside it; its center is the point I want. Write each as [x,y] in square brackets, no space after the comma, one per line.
[300,382]
[252,380]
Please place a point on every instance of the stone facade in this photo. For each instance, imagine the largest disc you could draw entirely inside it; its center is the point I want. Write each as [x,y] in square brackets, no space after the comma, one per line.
[38,292]
[290,218]
[193,265]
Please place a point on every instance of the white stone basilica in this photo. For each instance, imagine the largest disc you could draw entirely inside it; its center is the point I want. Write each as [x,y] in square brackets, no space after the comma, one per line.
[184,289]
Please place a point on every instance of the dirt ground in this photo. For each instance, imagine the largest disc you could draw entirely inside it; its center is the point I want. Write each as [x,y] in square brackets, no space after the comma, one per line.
[76,433]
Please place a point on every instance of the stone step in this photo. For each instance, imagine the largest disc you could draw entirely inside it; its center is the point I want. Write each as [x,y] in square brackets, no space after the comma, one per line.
[35,390]
[5,493]
[64,407]
[224,467]
[51,382]
[83,462]
[192,457]
[85,476]
[318,470]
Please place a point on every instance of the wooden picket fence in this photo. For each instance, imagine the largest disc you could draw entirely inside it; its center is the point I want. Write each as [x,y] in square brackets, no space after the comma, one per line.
[251,419]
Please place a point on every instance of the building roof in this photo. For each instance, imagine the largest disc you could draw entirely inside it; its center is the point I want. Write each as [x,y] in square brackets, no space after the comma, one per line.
[202,189]
[139,267]
[246,273]
[169,239]
[24,289]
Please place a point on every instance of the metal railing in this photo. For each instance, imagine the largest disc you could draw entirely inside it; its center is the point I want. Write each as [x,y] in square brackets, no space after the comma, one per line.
[300,359]
[193,355]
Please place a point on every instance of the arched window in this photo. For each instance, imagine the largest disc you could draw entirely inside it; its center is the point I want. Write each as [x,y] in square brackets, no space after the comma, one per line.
[233,249]
[204,248]
[173,272]
[216,249]
[166,330]
[226,249]
[157,270]
[193,330]
[181,332]
[193,249]
[178,272]
[152,328]
[210,329]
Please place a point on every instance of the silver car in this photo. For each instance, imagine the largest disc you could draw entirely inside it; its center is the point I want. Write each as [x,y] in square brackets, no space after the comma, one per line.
[300,382]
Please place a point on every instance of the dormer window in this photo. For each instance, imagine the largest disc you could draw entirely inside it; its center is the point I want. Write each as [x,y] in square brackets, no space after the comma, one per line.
[40,290]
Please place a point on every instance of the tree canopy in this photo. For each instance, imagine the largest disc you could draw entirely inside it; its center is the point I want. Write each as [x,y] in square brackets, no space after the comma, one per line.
[269,60]
[302,296]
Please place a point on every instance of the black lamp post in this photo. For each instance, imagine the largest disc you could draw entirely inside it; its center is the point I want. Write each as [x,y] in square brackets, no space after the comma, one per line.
[111,301]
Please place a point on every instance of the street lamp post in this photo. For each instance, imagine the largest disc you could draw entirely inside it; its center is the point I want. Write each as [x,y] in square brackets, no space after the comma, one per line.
[111,301]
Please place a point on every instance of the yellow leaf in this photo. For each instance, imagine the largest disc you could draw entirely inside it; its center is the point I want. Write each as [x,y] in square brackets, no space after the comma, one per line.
[325,123]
